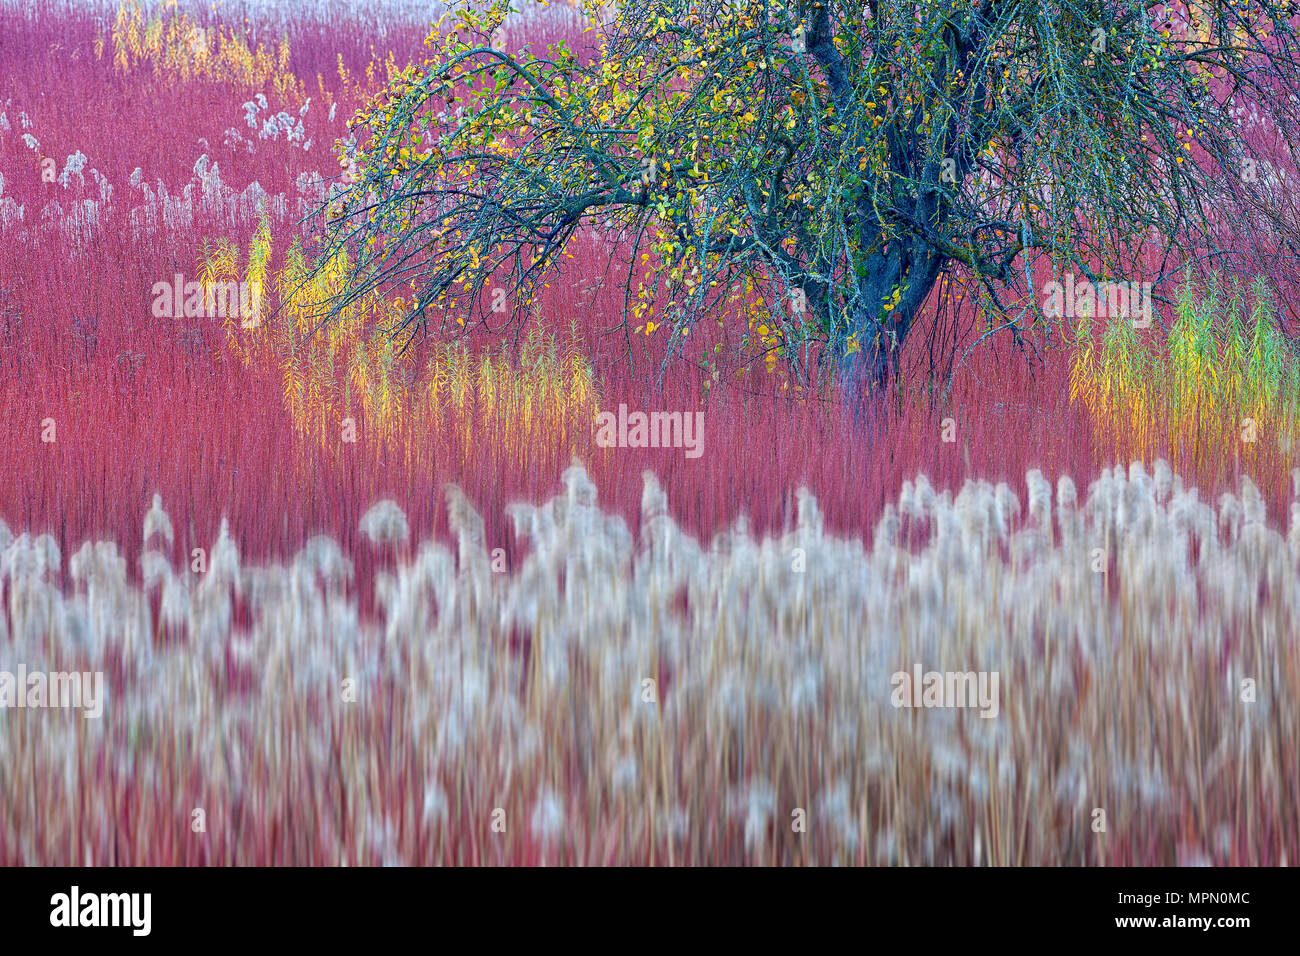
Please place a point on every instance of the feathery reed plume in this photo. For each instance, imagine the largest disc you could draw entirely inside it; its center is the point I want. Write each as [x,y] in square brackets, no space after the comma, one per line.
[384,523]
[677,704]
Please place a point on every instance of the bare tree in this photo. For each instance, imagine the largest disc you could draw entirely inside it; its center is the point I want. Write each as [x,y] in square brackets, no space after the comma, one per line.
[829,160]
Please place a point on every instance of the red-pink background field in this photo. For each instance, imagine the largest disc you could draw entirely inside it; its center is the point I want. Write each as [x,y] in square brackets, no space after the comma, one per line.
[139,408]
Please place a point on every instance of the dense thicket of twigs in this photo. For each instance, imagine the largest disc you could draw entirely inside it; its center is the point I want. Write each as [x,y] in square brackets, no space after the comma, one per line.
[825,162]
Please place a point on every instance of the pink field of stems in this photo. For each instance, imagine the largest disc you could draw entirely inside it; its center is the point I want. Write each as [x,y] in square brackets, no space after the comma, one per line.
[143,406]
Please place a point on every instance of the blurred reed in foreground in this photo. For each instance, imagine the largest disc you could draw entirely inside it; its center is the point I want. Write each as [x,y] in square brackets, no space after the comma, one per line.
[654,699]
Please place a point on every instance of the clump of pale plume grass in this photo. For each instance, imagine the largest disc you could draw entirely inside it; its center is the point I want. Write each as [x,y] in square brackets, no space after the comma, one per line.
[384,523]
[157,523]
[657,700]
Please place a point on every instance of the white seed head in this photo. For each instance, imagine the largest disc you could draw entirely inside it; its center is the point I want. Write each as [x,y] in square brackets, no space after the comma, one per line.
[384,523]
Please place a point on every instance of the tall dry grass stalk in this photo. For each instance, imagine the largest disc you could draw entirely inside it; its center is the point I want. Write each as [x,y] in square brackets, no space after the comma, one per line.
[660,700]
